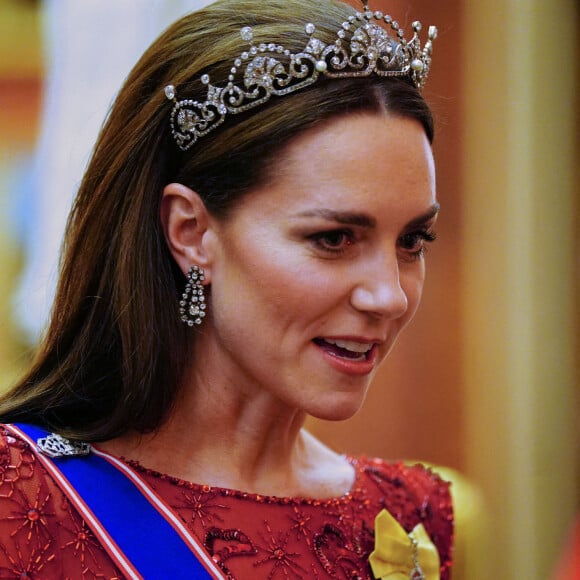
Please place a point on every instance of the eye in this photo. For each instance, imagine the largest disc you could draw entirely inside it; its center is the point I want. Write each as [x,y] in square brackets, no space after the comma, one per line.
[333,241]
[414,244]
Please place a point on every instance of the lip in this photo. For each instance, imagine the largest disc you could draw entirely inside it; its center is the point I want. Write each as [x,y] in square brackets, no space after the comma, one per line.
[348,366]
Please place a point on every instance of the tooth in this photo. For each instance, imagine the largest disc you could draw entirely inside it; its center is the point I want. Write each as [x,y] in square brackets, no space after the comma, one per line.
[361,347]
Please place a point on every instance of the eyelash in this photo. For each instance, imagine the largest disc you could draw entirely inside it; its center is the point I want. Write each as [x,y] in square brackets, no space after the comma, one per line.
[424,237]
[321,240]
[347,238]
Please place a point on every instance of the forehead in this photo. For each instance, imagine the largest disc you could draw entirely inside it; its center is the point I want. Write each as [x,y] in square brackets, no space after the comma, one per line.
[353,158]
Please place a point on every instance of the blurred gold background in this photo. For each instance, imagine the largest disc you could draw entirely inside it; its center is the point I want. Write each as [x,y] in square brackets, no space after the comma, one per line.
[486,380]
[21,83]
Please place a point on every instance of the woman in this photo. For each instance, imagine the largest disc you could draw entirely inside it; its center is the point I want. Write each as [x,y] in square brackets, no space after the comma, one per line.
[245,247]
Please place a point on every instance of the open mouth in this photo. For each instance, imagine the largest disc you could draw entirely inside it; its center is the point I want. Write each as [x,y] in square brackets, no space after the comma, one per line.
[346,349]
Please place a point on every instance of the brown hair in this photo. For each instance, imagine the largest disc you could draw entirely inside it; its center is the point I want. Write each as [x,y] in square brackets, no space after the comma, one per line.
[115,349]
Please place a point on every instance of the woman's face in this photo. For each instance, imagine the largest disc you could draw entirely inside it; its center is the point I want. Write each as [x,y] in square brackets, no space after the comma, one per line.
[315,274]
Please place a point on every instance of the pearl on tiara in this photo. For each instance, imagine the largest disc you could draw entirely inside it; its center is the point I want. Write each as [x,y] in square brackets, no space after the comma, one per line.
[170,92]
[362,48]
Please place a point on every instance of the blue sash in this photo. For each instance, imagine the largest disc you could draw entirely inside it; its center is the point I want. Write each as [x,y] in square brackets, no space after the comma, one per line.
[142,534]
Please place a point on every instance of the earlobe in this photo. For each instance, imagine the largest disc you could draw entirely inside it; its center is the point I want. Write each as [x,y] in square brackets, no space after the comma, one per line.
[185,221]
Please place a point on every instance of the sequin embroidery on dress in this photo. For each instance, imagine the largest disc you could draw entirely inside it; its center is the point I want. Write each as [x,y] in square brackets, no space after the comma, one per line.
[247,535]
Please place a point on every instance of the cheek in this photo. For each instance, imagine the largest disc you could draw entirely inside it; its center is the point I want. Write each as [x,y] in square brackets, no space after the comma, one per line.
[259,282]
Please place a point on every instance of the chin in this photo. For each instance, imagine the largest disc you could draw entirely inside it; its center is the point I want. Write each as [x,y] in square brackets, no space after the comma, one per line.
[338,410]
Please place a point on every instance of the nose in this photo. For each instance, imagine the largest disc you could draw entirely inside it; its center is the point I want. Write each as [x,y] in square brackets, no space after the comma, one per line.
[379,291]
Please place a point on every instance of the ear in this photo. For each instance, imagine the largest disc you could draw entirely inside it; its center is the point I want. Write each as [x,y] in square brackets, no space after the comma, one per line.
[186,224]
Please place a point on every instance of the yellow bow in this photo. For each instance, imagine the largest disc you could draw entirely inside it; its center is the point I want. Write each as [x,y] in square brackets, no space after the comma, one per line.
[399,555]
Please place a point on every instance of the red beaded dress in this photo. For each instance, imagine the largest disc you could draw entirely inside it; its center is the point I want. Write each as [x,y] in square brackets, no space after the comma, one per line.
[250,536]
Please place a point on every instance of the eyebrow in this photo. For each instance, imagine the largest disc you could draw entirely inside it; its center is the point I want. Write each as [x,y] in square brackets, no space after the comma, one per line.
[422,219]
[363,220]
[341,217]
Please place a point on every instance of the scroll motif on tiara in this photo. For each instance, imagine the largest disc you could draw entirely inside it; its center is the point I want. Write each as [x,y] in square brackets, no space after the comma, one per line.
[362,48]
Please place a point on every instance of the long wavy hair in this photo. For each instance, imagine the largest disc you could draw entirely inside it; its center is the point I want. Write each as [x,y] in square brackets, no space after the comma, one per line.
[114,353]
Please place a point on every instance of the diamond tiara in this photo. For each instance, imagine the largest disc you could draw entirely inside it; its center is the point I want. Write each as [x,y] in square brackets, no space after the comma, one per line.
[362,48]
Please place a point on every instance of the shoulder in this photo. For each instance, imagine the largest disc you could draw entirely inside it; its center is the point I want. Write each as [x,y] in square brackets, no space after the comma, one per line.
[23,480]
[40,532]
[27,509]
[417,479]
[414,494]
[16,461]
[21,472]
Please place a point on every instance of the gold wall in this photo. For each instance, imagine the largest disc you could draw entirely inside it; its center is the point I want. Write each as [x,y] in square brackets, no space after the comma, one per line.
[520,275]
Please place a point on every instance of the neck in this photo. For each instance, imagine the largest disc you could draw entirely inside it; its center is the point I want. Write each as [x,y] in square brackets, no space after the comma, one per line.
[224,436]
